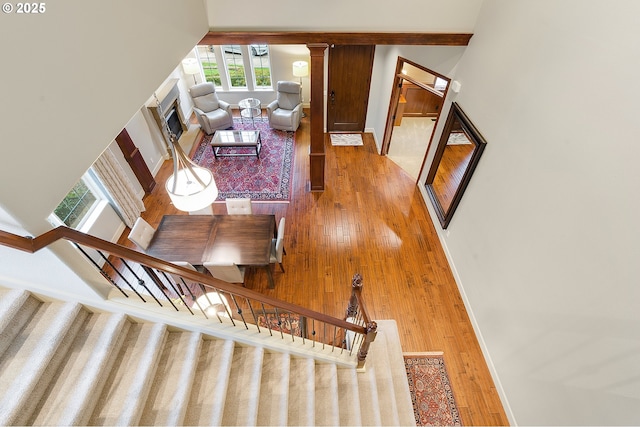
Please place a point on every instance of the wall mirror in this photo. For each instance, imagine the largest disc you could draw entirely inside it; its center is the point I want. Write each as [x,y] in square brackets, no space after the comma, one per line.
[456,157]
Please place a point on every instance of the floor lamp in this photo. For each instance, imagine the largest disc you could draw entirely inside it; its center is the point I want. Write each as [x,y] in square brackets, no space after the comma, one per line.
[300,70]
[190,66]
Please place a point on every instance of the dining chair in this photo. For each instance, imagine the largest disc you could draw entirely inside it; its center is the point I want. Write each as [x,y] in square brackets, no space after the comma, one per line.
[178,278]
[141,233]
[227,272]
[239,206]
[207,210]
[277,245]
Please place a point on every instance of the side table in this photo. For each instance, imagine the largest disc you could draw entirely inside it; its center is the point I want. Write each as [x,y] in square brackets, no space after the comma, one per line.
[250,109]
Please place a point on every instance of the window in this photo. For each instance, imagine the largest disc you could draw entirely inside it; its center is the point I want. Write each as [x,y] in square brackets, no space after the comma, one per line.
[260,64]
[77,205]
[236,66]
[209,65]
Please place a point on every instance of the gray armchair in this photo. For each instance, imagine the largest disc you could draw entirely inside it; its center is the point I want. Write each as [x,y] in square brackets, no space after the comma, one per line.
[286,111]
[212,113]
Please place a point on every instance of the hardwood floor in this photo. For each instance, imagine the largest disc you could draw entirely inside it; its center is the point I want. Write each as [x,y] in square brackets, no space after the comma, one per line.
[372,220]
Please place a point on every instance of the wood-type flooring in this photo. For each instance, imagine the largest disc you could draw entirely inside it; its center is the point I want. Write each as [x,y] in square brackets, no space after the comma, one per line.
[370,219]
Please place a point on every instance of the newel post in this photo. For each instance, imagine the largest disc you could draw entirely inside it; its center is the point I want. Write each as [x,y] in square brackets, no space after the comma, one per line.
[356,305]
[356,286]
[372,330]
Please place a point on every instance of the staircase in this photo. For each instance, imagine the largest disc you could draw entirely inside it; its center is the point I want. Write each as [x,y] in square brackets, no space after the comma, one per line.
[63,364]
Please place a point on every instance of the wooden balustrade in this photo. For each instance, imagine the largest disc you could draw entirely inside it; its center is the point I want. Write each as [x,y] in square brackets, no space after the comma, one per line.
[244,306]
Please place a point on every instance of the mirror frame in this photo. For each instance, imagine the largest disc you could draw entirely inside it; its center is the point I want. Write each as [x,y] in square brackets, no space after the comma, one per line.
[455,113]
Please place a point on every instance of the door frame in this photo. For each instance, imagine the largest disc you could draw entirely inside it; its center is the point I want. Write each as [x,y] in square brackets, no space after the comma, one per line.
[396,89]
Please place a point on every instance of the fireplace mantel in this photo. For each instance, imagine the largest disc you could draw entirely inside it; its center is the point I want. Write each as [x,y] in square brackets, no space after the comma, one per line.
[169,98]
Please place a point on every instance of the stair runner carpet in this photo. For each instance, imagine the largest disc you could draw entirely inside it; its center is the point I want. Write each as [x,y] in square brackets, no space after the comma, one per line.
[62,363]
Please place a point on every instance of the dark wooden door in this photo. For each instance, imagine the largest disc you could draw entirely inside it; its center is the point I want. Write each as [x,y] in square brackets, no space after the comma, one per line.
[348,89]
[420,102]
[133,156]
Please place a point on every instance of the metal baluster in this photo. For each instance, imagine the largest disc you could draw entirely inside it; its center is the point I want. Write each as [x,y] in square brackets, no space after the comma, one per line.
[324,334]
[313,332]
[140,281]
[279,322]
[255,318]
[335,337]
[233,297]
[124,278]
[156,281]
[226,309]
[104,273]
[195,300]
[175,290]
[291,327]
[266,319]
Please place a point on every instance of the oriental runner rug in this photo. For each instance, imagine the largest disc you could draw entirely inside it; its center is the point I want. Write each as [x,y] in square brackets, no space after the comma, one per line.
[267,178]
[431,393]
[288,323]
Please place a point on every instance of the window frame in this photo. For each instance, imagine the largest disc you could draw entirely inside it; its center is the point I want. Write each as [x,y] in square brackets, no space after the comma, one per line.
[93,187]
[246,62]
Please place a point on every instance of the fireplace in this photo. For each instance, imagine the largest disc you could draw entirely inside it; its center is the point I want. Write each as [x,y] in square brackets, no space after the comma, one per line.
[173,121]
[169,111]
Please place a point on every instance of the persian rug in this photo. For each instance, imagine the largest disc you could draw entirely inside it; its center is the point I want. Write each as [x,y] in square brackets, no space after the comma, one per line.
[431,393]
[346,139]
[267,178]
[286,322]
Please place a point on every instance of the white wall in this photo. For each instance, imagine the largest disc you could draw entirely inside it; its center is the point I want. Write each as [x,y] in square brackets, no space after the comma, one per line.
[72,78]
[339,15]
[545,243]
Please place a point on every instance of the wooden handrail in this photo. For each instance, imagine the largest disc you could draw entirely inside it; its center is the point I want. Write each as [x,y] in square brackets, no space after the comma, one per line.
[32,245]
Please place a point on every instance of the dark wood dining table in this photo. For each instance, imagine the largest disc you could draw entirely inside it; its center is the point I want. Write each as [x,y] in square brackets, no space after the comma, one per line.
[244,240]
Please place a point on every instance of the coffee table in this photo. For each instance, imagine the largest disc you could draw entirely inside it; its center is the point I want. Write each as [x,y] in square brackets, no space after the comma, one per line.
[236,139]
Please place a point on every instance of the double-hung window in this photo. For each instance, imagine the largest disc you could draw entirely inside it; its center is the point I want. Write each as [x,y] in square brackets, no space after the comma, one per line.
[236,67]
[78,204]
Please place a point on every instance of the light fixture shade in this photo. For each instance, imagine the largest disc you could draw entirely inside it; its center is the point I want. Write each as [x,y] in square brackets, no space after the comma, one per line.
[189,195]
[300,69]
[190,66]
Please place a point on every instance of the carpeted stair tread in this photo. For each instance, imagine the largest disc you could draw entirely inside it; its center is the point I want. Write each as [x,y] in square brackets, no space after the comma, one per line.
[241,407]
[208,392]
[168,397]
[368,393]
[387,373]
[70,398]
[402,395]
[349,397]
[302,392]
[66,365]
[32,358]
[16,308]
[326,395]
[124,394]
[274,402]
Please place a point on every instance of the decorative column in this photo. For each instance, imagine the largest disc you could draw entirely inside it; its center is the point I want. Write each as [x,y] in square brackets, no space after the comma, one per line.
[316,152]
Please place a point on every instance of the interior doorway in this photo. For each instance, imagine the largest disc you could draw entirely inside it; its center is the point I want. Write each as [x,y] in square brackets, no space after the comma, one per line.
[416,101]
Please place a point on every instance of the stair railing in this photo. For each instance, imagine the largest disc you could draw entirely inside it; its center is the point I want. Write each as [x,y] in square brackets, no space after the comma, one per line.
[150,279]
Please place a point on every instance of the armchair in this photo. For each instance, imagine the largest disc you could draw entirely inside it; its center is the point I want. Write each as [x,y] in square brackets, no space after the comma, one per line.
[286,111]
[212,113]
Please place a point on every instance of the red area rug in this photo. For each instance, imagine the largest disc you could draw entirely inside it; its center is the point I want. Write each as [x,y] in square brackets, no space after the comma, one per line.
[267,178]
[431,394]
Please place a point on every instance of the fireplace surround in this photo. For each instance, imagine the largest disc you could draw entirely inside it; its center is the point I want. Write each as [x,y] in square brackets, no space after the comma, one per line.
[169,99]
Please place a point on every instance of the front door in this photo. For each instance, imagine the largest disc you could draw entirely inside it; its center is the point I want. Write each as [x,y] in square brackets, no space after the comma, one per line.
[348,90]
